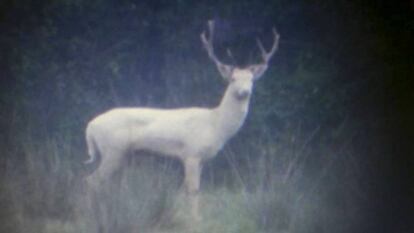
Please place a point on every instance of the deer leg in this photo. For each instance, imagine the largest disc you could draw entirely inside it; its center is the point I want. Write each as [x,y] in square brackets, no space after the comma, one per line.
[192,168]
[110,163]
[100,190]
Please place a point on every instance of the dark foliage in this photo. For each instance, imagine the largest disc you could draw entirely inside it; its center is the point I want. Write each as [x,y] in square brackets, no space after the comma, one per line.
[341,79]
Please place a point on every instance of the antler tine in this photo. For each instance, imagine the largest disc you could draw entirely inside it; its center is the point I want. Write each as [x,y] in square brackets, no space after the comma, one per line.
[262,49]
[225,70]
[267,55]
[276,37]
[208,42]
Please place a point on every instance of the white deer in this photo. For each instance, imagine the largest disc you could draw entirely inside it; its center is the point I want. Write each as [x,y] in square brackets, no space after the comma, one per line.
[191,135]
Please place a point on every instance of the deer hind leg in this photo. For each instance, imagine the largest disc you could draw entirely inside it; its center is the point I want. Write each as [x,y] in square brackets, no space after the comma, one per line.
[111,160]
[192,168]
[101,196]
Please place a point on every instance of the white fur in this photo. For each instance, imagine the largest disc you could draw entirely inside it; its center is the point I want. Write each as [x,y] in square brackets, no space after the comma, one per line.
[194,134]
[191,135]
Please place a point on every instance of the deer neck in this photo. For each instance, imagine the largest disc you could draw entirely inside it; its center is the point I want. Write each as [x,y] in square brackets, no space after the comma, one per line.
[231,113]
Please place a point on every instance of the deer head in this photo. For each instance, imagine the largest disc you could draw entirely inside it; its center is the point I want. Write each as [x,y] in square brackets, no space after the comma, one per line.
[240,78]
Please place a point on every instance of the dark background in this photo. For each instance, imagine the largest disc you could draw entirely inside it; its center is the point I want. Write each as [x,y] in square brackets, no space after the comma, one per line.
[342,78]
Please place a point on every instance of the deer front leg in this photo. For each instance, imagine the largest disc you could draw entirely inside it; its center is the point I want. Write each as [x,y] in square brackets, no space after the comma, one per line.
[192,168]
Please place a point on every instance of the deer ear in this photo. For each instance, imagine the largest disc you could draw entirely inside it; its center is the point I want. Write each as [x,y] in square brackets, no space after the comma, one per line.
[257,70]
[226,71]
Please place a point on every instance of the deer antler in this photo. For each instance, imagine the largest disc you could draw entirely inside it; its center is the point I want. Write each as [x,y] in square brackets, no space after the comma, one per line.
[224,69]
[267,55]
[208,42]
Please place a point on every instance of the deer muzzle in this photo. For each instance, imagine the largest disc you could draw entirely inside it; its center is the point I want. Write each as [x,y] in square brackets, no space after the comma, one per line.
[243,94]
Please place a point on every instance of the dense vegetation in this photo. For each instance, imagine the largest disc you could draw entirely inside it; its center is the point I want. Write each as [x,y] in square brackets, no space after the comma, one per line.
[322,149]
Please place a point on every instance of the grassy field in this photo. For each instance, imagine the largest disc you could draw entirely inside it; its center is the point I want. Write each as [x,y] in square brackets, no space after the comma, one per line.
[44,191]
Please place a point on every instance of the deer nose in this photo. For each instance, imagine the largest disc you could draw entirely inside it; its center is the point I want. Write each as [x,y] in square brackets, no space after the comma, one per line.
[243,94]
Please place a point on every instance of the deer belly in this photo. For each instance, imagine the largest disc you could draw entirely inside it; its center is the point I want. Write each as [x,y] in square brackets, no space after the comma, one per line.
[163,145]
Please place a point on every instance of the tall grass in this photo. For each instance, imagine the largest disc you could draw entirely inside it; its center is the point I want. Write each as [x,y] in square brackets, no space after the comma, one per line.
[259,186]
[44,191]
